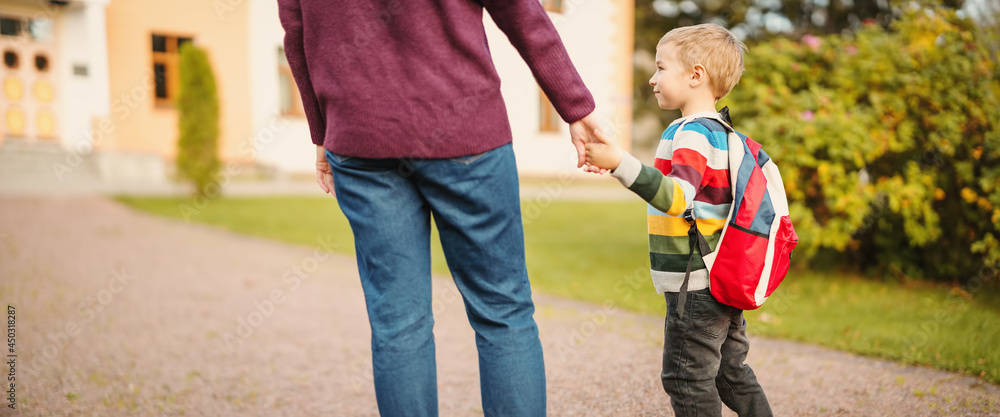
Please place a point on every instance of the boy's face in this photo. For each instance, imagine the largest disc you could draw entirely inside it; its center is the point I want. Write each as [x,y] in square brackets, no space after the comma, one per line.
[670,81]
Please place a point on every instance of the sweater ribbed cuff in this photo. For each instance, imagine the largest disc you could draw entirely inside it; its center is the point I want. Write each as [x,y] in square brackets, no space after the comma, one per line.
[628,170]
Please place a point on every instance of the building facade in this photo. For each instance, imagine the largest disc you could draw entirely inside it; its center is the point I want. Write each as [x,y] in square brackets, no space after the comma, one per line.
[97,78]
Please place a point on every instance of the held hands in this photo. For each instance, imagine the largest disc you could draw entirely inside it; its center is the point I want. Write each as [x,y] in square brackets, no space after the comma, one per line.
[603,153]
[584,132]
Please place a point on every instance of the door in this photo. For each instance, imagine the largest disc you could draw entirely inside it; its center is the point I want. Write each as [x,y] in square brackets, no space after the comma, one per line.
[27,102]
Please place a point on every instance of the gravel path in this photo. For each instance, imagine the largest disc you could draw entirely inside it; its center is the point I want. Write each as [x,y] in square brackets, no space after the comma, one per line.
[119,313]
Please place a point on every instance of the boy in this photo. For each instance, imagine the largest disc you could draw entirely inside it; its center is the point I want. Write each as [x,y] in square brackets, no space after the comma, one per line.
[705,342]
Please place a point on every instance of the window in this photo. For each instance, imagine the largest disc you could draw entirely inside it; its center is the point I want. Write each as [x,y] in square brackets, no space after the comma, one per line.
[548,118]
[159,43]
[166,67]
[288,93]
[10,59]
[160,75]
[41,63]
[40,29]
[10,26]
[555,6]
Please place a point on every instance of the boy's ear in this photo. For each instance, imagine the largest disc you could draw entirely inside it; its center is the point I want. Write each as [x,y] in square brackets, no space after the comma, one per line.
[698,75]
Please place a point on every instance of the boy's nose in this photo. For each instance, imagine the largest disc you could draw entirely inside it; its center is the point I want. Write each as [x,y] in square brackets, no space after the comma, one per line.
[652,81]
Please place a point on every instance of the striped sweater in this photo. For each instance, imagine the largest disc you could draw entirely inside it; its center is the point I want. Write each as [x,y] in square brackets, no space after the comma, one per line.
[692,163]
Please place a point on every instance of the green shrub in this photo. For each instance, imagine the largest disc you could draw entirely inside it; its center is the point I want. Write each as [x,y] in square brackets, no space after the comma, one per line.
[198,111]
[888,141]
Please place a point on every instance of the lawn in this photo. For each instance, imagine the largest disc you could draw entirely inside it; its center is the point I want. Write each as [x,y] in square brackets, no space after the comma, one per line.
[596,251]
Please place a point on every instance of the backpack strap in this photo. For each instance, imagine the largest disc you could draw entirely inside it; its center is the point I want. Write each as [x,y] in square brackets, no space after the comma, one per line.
[724,114]
[695,238]
[723,117]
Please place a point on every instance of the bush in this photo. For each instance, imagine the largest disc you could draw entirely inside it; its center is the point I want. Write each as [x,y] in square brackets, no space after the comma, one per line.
[888,141]
[198,108]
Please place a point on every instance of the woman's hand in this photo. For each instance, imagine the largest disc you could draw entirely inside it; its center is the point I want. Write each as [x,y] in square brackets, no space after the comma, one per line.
[324,175]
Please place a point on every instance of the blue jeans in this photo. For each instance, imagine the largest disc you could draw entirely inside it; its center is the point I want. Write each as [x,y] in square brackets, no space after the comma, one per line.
[476,207]
[703,354]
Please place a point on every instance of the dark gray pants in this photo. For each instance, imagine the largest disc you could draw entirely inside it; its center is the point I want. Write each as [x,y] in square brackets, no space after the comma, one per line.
[703,354]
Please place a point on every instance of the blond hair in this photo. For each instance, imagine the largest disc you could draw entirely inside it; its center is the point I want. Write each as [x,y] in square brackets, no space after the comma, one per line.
[713,47]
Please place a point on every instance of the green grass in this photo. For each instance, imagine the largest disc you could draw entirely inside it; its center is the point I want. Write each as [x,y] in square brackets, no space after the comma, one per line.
[918,324]
[596,251]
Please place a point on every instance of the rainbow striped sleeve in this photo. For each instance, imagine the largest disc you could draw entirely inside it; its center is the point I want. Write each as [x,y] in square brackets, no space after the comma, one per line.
[692,164]
[691,168]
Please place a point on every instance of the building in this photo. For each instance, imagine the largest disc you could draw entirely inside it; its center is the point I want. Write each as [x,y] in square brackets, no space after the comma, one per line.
[92,83]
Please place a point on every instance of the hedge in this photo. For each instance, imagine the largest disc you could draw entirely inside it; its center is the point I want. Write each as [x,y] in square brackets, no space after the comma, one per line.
[888,142]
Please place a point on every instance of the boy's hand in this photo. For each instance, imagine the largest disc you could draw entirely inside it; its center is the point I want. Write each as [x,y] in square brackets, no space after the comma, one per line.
[605,153]
[581,133]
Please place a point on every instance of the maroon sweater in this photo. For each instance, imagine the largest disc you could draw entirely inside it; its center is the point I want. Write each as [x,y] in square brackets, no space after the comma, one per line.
[414,78]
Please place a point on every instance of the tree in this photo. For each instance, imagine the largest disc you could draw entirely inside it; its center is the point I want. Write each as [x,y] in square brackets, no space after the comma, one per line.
[198,110]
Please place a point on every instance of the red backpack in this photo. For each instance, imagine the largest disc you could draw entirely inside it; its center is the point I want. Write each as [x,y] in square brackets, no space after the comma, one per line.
[755,249]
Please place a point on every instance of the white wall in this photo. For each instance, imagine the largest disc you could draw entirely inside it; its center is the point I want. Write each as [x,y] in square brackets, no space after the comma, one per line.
[281,142]
[81,34]
[588,33]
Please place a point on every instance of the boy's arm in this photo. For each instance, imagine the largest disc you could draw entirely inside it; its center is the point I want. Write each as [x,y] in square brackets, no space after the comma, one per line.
[670,193]
[290,14]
